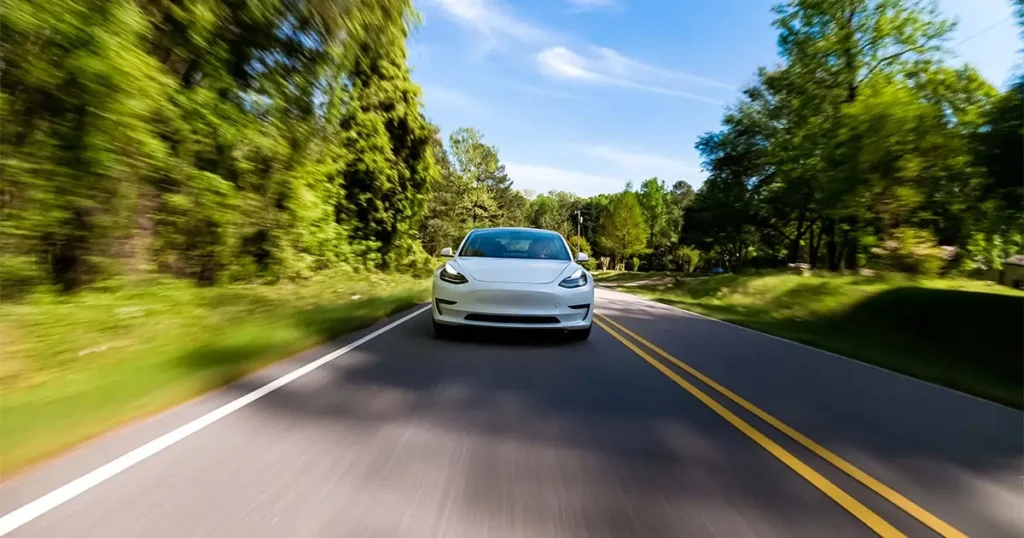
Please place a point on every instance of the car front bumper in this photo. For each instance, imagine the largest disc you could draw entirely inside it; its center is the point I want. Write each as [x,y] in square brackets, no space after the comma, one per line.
[525,306]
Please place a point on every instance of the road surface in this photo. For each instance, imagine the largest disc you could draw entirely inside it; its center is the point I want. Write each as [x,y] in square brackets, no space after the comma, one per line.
[522,436]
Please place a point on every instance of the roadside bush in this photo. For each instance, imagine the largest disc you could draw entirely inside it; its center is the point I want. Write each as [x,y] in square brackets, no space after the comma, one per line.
[407,256]
[635,263]
[910,250]
[985,252]
[579,244]
[687,258]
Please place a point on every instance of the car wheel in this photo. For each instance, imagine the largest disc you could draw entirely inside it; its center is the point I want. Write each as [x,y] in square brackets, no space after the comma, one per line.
[579,335]
[443,331]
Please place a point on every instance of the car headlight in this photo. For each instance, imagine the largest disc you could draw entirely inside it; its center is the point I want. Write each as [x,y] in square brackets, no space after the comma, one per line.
[450,275]
[577,279]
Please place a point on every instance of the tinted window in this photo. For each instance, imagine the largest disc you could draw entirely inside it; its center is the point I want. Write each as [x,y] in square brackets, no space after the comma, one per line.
[523,244]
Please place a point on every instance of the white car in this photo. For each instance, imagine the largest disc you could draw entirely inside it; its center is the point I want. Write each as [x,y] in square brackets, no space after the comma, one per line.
[513,277]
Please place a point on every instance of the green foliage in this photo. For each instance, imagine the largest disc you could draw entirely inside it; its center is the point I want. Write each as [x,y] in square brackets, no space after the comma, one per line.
[1000,147]
[76,365]
[210,139]
[652,203]
[687,259]
[623,231]
[553,211]
[78,93]
[634,262]
[910,250]
[579,244]
[273,139]
[473,191]
[860,136]
[988,251]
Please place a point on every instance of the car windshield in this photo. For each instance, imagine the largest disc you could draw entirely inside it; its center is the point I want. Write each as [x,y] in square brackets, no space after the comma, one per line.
[522,244]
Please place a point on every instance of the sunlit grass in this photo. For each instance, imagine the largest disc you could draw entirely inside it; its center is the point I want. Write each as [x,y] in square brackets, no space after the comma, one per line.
[76,366]
[965,334]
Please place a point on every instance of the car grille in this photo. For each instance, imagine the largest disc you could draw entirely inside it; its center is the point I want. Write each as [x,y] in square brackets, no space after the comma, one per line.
[500,318]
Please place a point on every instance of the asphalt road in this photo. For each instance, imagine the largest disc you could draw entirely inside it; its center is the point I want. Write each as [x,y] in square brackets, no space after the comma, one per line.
[520,435]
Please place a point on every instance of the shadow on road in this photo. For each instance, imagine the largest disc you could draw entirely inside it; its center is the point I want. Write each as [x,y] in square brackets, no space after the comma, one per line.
[532,432]
[528,431]
[960,454]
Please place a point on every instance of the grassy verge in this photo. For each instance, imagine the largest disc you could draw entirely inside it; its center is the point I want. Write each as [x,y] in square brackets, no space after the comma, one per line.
[76,366]
[965,334]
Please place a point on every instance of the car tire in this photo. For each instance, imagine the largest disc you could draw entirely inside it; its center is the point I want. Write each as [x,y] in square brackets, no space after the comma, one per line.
[579,335]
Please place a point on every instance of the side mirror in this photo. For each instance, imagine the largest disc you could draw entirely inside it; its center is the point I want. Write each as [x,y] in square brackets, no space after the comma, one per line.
[582,257]
[447,252]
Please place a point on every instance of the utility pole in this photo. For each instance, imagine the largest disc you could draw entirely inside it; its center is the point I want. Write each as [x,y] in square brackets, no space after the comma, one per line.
[579,223]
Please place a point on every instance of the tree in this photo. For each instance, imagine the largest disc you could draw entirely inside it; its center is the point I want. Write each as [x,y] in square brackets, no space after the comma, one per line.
[465,196]
[652,203]
[553,211]
[861,131]
[623,231]
[579,244]
[1000,146]
[677,201]
[79,93]
[479,163]
[832,48]
[208,139]
[687,259]
[843,43]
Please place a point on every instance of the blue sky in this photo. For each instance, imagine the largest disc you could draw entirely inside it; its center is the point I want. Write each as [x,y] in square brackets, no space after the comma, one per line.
[585,95]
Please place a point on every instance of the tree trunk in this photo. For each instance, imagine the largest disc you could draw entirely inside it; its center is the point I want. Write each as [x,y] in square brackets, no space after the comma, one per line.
[794,244]
[831,247]
[850,250]
[840,254]
[850,58]
[814,246]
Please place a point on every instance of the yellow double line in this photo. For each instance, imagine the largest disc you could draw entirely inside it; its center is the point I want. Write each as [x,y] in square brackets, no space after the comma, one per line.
[861,512]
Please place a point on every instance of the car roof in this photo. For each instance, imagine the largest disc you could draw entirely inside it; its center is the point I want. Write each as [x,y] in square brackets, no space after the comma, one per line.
[514,228]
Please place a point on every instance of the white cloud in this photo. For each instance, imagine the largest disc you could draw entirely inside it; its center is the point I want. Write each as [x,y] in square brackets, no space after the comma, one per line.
[626,66]
[496,24]
[639,164]
[540,178]
[640,160]
[564,63]
[618,164]
[609,67]
[493,21]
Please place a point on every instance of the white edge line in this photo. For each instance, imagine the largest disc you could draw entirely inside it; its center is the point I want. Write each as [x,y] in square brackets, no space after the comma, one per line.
[819,350]
[59,496]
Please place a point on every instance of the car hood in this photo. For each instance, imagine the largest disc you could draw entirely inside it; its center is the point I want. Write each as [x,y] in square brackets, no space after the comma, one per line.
[513,270]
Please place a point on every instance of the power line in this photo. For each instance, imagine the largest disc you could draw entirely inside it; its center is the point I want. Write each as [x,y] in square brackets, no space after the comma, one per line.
[990,27]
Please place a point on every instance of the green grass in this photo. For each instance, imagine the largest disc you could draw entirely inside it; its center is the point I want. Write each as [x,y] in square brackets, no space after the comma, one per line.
[964,334]
[76,366]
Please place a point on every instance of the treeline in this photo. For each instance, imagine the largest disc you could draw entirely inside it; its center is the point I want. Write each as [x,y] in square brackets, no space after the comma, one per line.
[864,148]
[223,140]
[474,191]
[209,139]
